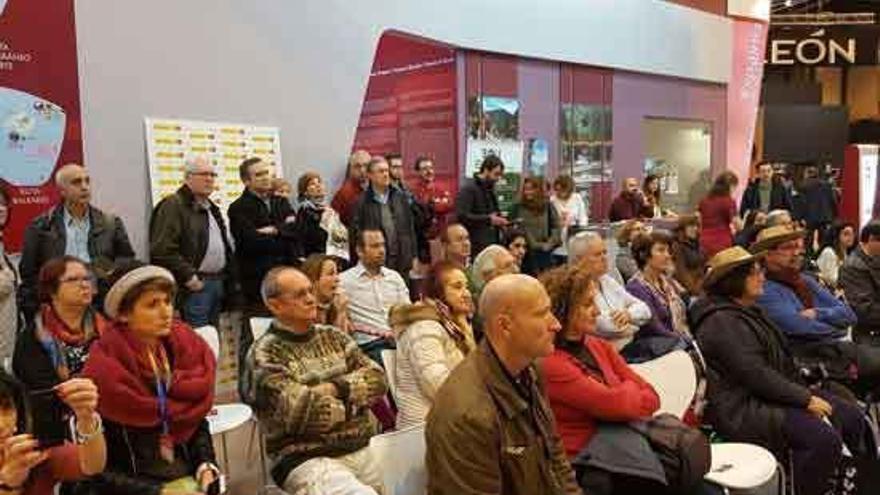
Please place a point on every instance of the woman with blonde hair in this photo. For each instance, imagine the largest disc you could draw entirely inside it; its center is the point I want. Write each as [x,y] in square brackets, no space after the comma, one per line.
[538,218]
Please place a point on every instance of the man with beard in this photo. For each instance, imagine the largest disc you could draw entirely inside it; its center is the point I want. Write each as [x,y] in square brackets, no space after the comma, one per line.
[630,203]
[477,207]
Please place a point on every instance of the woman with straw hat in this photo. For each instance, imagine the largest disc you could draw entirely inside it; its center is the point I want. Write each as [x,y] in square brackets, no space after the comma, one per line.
[755,391]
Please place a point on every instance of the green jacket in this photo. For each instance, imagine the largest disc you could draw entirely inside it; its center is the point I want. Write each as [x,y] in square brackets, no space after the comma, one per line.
[485,437]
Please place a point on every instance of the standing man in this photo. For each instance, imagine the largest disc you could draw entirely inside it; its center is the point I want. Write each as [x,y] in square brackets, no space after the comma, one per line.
[262,226]
[188,236]
[477,207]
[766,192]
[384,207]
[74,228]
[491,429]
[435,200]
[630,203]
[347,196]
[395,168]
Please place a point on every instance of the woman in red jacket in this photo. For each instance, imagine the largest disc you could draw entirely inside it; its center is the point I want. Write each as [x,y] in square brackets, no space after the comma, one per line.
[587,381]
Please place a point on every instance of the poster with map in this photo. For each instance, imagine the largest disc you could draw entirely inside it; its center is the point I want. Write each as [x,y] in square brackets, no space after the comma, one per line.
[171,142]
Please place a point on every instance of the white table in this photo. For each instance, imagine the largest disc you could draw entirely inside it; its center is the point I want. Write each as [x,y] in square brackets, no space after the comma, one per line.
[224,418]
[741,466]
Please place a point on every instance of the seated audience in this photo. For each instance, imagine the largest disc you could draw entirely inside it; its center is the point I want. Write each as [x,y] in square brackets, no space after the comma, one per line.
[630,203]
[456,244]
[319,229]
[433,336]
[687,255]
[651,192]
[74,228]
[780,217]
[347,196]
[517,243]
[491,263]
[156,380]
[312,388]
[571,210]
[54,345]
[755,391]
[840,243]
[491,429]
[27,466]
[624,261]
[538,218]
[262,226]
[188,237]
[332,302]
[372,290]
[755,221]
[653,285]
[8,290]
[621,313]
[718,218]
[860,279]
[588,383]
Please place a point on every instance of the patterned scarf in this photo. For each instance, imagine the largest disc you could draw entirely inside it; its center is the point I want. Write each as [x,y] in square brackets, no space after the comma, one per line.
[67,349]
[463,340]
[669,291]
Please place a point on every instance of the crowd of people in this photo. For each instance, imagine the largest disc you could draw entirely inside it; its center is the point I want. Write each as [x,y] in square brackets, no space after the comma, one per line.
[512,332]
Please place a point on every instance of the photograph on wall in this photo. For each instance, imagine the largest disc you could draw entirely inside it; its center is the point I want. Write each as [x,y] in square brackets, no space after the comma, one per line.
[493,118]
[538,157]
[39,107]
[510,152]
[171,142]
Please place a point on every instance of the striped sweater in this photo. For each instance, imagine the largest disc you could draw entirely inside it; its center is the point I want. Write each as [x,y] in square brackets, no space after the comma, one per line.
[282,372]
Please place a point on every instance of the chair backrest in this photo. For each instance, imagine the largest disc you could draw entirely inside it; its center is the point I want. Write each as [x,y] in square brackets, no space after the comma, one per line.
[209,334]
[259,326]
[400,456]
[674,378]
[389,361]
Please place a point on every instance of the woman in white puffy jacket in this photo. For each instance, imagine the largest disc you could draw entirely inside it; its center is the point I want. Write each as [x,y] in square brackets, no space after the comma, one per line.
[433,337]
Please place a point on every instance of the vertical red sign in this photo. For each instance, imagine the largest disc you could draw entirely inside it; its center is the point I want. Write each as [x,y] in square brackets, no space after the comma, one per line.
[744,94]
[39,105]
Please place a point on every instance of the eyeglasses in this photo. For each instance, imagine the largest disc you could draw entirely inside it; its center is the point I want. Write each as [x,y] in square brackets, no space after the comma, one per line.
[205,174]
[86,279]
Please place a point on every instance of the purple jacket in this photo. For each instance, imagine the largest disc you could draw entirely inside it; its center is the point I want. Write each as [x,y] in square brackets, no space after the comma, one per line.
[661,317]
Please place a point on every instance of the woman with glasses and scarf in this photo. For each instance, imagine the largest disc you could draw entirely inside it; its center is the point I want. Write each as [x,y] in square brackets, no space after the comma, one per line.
[54,346]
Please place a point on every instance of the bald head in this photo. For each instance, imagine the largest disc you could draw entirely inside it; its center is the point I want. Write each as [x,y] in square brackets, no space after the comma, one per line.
[288,294]
[506,292]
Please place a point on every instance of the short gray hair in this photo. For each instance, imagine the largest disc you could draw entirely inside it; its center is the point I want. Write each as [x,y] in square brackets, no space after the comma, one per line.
[577,242]
[61,176]
[776,217]
[484,263]
[270,288]
[191,165]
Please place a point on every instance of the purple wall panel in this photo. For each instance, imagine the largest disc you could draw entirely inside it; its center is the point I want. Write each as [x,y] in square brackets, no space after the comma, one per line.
[539,106]
[637,96]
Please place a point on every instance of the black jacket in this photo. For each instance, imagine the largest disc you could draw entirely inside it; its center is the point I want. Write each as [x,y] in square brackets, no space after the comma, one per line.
[257,253]
[179,237]
[751,372]
[133,463]
[310,236]
[368,215]
[46,238]
[474,203]
[815,203]
[780,197]
[860,279]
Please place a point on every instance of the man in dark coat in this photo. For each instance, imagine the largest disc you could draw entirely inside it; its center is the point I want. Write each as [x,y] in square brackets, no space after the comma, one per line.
[386,208]
[476,206]
[630,203]
[262,226]
[860,279]
[766,192]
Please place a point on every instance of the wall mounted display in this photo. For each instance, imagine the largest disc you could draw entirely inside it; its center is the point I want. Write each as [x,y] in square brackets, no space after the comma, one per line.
[171,142]
[585,139]
[538,157]
[39,106]
[510,152]
[493,118]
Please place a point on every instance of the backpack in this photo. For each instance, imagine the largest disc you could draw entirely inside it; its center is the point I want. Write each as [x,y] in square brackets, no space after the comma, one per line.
[683,451]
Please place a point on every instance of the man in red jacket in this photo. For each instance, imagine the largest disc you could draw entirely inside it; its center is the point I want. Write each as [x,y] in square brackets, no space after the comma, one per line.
[348,195]
[630,203]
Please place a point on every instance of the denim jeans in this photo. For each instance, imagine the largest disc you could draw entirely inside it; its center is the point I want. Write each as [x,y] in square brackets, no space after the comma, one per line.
[203,307]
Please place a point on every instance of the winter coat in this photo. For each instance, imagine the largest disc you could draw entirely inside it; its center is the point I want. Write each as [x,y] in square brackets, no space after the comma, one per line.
[368,215]
[474,203]
[780,197]
[781,304]
[860,279]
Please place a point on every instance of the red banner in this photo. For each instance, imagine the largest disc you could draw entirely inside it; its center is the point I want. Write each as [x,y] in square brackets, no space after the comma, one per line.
[39,105]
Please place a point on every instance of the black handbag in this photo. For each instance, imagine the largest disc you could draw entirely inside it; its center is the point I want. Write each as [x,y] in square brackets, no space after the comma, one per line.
[683,451]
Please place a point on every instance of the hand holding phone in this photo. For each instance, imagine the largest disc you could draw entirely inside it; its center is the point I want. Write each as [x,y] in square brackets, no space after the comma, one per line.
[21,453]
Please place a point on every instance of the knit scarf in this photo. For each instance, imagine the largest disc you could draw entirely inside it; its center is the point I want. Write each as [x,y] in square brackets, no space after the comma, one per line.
[57,338]
[120,367]
[463,340]
[793,279]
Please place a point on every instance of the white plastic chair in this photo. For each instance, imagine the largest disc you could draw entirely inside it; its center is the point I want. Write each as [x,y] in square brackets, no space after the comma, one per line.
[400,456]
[209,334]
[389,361]
[735,466]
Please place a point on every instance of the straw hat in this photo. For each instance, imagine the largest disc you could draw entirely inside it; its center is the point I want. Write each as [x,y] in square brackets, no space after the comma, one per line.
[722,263]
[773,236]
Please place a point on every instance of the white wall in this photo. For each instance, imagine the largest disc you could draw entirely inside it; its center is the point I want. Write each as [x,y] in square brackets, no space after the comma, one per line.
[303,65]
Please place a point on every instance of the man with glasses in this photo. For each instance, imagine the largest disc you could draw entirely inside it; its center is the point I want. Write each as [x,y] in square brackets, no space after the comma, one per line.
[188,236]
[73,228]
[816,322]
[860,279]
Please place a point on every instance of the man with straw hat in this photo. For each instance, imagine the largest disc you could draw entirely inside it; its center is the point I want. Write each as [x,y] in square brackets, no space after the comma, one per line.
[815,322]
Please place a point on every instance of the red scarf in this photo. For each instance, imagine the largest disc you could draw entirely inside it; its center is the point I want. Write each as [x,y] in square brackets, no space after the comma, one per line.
[794,281]
[93,325]
[119,366]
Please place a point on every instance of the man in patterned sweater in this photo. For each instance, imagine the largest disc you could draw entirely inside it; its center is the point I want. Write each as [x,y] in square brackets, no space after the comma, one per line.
[312,389]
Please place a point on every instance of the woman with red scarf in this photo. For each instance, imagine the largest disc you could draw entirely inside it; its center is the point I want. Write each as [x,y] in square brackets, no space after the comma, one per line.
[156,380]
[54,346]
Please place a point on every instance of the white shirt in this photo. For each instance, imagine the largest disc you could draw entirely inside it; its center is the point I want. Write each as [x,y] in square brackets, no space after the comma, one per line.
[571,212]
[370,298]
[611,297]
